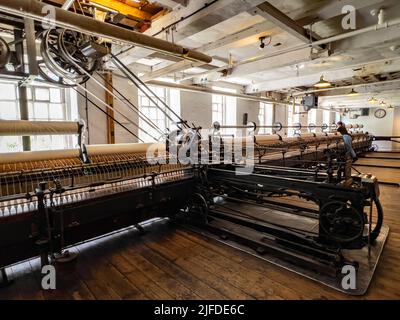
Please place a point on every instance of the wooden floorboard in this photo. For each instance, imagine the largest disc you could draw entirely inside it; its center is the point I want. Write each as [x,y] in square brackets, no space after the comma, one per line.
[374,166]
[173,263]
[382,162]
[388,155]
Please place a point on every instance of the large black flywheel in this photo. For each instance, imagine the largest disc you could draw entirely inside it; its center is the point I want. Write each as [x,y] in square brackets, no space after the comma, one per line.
[340,222]
[69,57]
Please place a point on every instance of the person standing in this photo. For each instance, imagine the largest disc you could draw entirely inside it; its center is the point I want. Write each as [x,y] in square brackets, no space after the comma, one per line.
[348,140]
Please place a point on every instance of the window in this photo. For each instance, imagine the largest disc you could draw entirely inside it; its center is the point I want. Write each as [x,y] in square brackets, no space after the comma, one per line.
[150,111]
[293,119]
[44,104]
[266,117]
[8,102]
[337,117]
[224,110]
[312,118]
[9,111]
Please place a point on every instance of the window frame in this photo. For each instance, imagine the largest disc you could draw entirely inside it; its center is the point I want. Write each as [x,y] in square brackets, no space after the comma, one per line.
[263,117]
[40,142]
[161,120]
[220,114]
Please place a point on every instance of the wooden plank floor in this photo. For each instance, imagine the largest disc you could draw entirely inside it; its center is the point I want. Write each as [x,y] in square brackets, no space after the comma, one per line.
[387,146]
[391,175]
[172,263]
[395,163]
[383,155]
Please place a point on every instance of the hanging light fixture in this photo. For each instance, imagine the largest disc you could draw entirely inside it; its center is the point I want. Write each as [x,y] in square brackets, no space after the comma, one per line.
[263,43]
[352,93]
[372,100]
[290,98]
[322,83]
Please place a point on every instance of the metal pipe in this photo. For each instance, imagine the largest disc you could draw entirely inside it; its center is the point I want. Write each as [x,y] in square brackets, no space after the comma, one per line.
[276,126]
[69,20]
[132,77]
[211,91]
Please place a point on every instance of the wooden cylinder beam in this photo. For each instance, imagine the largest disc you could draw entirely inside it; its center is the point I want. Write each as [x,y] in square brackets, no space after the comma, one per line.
[37,128]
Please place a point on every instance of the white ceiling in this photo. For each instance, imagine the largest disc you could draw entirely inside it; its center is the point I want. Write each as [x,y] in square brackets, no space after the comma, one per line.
[235,35]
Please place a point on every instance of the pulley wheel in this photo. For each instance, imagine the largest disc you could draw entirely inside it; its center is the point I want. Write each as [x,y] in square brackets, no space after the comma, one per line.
[4,53]
[341,222]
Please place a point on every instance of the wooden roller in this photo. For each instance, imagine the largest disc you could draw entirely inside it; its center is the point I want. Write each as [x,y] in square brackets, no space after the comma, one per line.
[321,135]
[124,148]
[237,141]
[290,139]
[258,139]
[94,150]
[306,135]
[267,139]
[33,156]
[36,128]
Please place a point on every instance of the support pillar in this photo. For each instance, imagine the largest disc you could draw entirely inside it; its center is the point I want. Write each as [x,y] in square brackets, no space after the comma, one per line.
[110,112]
[22,90]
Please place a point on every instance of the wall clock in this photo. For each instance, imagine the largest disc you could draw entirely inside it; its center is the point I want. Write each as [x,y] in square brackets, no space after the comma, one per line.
[380,113]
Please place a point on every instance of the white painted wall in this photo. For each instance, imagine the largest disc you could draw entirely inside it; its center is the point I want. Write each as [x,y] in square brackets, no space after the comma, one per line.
[252,108]
[97,121]
[396,127]
[320,118]
[377,127]
[131,94]
[281,115]
[197,108]
[396,122]
[303,118]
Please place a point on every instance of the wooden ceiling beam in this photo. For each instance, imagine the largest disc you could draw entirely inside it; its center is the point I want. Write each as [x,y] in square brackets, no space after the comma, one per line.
[125,9]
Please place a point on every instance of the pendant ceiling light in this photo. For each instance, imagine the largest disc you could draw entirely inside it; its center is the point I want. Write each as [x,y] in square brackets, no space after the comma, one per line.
[322,83]
[353,93]
[372,100]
